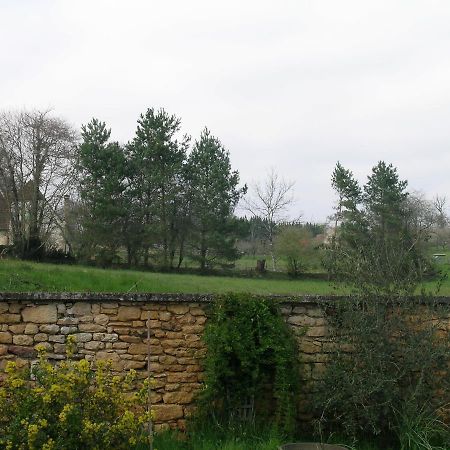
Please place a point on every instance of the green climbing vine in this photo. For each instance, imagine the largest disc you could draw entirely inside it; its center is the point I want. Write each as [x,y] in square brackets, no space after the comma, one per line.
[252,354]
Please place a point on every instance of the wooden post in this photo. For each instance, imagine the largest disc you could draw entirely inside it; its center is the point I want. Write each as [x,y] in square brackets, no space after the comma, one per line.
[149,391]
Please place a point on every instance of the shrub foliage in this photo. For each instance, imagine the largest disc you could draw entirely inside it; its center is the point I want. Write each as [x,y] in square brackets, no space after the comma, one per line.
[69,406]
[252,356]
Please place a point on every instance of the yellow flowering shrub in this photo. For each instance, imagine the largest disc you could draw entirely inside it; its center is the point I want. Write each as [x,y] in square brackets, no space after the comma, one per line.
[70,406]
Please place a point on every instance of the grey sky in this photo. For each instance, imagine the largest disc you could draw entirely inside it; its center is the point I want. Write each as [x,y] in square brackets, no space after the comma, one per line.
[294,85]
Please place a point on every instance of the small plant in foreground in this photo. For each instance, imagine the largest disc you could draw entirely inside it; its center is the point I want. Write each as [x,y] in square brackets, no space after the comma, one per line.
[69,406]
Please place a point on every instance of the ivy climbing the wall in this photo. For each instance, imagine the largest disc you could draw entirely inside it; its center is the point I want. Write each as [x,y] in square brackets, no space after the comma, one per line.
[251,365]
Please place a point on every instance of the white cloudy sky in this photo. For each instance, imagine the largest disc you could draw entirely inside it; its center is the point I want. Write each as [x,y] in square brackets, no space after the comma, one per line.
[293,85]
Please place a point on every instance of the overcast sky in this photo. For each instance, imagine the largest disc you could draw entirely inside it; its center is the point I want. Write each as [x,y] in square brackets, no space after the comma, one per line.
[293,85]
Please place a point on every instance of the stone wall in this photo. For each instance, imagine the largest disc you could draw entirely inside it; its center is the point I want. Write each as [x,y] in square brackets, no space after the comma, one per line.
[114,327]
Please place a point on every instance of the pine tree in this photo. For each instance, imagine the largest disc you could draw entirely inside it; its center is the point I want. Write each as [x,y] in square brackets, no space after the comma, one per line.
[102,170]
[214,193]
[157,157]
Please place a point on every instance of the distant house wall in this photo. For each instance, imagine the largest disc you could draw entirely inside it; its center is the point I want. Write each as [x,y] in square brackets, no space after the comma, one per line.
[4,238]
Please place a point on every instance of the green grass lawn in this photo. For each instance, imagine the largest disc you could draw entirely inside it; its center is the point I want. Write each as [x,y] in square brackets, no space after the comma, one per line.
[17,276]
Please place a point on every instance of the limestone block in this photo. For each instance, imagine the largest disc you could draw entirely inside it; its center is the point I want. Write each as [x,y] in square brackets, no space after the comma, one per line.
[31,328]
[82,337]
[153,315]
[134,365]
[3,349]
[91,327]
[17,329]
[109,305]
[3,307]
[181,398]
[50,329]
[5,337]
[315,312]
[178,309]
[301,320]
[58,338]
[94,345]
[80,309]
[186,361]
[68,321]
[15,308]
[40,337]
[286,310]
[129,339]
[193,329]
[68,330]
[317,331]
[309,347]
[40,314]
[101,319]
[167,359]
[120,345]
[60,348]
[181,377]
[165,316]
[128,313]
[188,319]
[22,339]
[87,318]
[9,318]
[173,343]
[24,352]
[105,337]
[197,312]
[163,413]
[138,349]
[175,335]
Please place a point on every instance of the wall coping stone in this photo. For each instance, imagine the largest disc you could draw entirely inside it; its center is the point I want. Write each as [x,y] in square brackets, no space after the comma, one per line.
[172,297]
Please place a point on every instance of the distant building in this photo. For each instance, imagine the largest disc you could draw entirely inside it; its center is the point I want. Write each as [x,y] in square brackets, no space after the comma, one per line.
[4,222]
[25,195]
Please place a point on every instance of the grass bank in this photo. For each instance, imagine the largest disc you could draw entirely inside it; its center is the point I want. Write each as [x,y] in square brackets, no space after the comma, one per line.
[17,276]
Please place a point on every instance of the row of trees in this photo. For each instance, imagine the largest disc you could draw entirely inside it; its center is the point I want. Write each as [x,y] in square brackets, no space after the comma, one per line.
[155,200]
[149,199]
[159,198]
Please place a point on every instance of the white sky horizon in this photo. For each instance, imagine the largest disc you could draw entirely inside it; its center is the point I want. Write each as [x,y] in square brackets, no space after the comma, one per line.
[293,85]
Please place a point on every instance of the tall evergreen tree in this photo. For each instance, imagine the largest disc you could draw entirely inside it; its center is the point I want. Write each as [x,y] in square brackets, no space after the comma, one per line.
[103,171]
[374,247]
[214,193]
[157,157]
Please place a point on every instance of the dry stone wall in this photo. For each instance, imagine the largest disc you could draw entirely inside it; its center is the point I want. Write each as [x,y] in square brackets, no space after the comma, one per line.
[113,327]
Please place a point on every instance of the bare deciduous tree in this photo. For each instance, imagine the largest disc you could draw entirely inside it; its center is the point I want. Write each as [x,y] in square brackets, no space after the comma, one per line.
[269,200]
[36,172]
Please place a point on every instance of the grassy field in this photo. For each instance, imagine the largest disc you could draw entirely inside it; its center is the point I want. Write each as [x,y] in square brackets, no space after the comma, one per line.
[16,276]
[25,276]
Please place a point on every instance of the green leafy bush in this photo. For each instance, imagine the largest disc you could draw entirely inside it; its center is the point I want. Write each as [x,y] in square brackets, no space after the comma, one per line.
[68,406]
[252,356]
[388,374]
